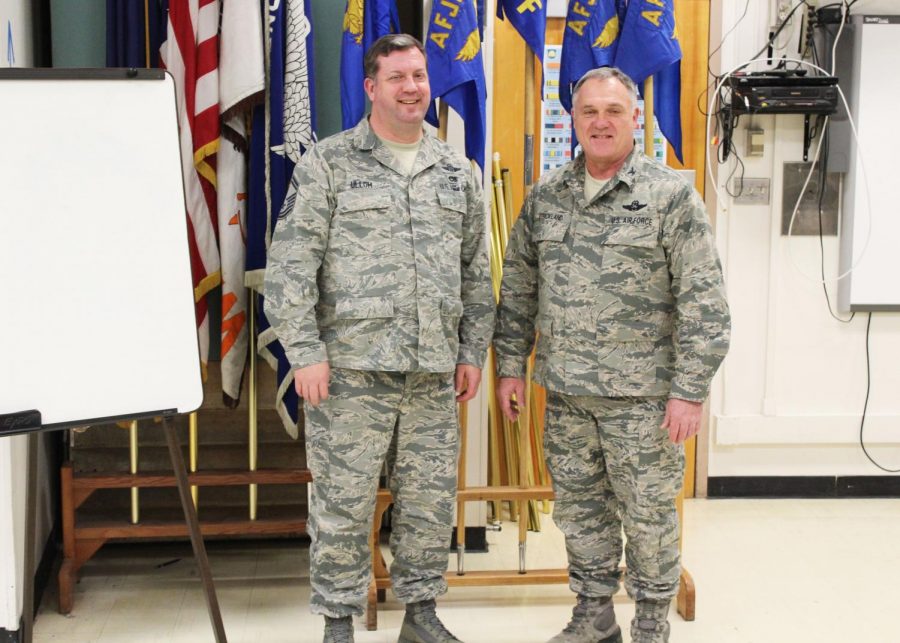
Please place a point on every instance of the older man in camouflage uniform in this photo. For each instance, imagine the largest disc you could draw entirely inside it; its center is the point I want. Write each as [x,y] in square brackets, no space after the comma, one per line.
[612,262]
[378,287]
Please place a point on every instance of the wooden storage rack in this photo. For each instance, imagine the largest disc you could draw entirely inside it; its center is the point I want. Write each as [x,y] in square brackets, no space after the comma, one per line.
[381,579]
[81,542]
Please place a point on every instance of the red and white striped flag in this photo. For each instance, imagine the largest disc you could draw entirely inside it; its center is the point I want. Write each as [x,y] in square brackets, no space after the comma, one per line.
[190,53]
[242,84]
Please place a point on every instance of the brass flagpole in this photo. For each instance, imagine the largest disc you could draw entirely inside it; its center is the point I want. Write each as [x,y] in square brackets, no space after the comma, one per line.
[648,117]
[193,431]
[529,120]
[461,484]
[133,461]
[133,426]
[443,117]
[252,404]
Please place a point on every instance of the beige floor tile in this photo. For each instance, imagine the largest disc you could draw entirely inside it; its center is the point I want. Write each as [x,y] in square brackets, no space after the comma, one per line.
[766,571]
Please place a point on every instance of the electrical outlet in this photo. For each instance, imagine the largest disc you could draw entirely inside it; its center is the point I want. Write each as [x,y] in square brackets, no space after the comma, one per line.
[750,191]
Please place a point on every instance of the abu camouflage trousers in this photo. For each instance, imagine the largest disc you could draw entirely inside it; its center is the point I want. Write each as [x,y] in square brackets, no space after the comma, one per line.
[410,420]
[613,467]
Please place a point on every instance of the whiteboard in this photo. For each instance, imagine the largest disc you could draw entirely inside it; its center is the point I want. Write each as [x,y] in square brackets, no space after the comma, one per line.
[870,225]
[97,318]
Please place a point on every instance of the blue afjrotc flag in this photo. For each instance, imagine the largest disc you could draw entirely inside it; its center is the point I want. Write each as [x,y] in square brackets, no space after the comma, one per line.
[365,21]
[590,40]
[456,71]
[529,17]
[268,185]
[126,33]
[649,47]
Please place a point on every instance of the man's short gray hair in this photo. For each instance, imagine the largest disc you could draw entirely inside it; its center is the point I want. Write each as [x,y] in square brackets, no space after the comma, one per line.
[385,46]
[605,73]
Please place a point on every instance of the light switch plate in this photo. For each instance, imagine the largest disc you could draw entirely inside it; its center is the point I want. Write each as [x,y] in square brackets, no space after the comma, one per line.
[750,191]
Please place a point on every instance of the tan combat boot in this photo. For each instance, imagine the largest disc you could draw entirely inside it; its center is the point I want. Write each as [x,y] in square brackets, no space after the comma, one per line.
[421,625]
[338,630]
[649,624]
[593,621]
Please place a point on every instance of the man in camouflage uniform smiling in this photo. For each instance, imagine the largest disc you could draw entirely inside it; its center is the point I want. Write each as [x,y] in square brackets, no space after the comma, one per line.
[612,262]
[378,286]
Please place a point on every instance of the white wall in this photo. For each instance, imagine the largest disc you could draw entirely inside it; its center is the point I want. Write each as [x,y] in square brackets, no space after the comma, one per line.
[17,15]
[790,395]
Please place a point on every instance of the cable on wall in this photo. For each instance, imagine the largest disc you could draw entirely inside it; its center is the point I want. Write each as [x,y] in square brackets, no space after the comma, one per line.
[862,421]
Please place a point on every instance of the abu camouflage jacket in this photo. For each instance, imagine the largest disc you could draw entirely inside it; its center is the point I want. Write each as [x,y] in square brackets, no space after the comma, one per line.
[373,269]
[625,292]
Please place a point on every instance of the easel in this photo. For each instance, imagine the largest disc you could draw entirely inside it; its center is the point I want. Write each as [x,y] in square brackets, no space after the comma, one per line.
[29,422]
[119,125]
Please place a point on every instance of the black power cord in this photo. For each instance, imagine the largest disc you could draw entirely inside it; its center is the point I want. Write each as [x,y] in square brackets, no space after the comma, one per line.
[862,421]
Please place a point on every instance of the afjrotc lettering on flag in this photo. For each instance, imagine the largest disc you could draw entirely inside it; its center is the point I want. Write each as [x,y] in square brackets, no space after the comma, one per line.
[530,5]
[581,9]
[473,43]
[440,38]
[653,16]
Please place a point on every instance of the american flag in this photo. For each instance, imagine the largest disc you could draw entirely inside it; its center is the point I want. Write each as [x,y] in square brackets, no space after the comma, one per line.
[190,54]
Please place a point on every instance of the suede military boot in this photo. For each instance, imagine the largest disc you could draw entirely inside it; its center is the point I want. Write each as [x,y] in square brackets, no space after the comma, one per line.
[338,630]
[422,625]
[593,621]
[649,624]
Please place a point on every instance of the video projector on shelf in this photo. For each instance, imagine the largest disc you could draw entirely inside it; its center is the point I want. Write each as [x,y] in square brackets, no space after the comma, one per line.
[782,92]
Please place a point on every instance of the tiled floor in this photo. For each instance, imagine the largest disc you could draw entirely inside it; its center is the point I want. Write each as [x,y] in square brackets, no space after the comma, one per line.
[766,571]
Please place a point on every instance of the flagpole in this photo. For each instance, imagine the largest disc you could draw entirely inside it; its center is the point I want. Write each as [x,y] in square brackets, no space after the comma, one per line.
[193,448]
[648,117]
[524,462]
[252,404]
[443,117]
[461,482]
[133,461]
[147,34]
[524,423]
[529,120]
[133,427]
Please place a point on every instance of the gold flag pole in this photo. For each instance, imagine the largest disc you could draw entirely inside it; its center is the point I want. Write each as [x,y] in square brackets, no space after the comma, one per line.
[133,453]
[497,175]
[494,425]
[502,228]
[252,404]
[524,463]
[507,192]
[443,114]
[133,426]
[461,483]
[193,430]
[529,119]
[493,437]
[524,423]
[530,427]
[443,117]
[648,117]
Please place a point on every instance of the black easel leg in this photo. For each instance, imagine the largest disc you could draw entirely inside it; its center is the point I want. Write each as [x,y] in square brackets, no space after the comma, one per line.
[190,517]
[31,497]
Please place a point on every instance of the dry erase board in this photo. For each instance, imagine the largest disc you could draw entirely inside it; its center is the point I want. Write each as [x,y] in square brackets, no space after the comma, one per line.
[97,316]
[870,226]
